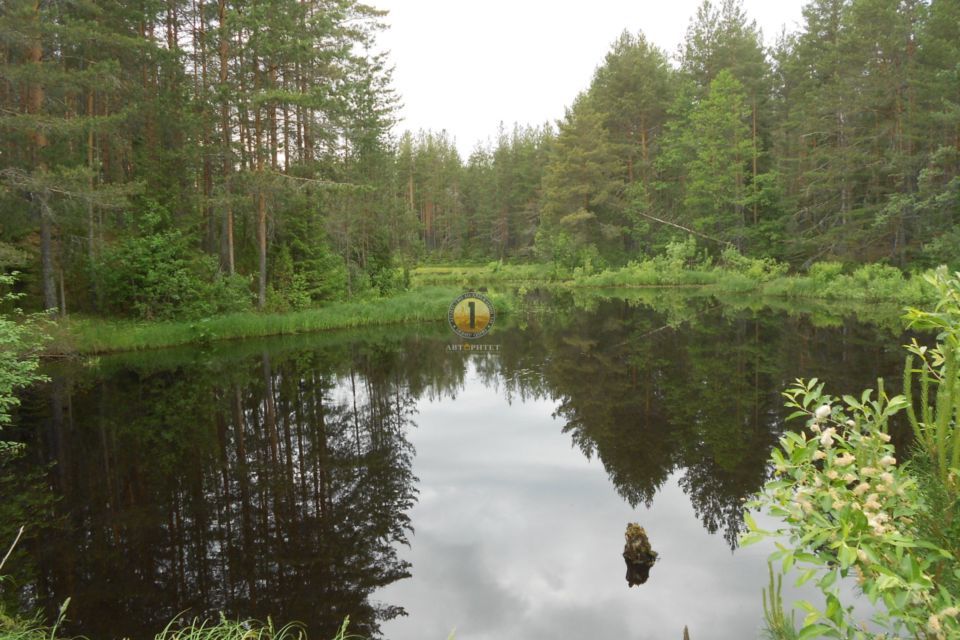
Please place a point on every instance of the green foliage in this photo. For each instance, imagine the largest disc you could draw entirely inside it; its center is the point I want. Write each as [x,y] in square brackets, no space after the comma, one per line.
[849,508]
[823,273]
[758,269]
[684,254]
[287,289]
[153,275]
[943,249]
[869,282]
[20,341]
[581,191]
[495,273]
[935,420]
[717,144]
[305,275]
[389,280]
[780,625]
[85,335]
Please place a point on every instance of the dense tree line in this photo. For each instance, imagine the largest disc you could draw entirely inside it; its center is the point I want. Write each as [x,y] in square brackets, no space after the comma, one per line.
[182,153]
[486,207]
[842,141]
[194,156]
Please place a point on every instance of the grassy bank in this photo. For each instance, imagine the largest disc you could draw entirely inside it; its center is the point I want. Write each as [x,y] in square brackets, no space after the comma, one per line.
[729,274]
[729,277]
[95,335]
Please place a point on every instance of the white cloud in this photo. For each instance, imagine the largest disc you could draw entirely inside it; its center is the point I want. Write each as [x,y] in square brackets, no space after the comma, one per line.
[466,66]
[518,536]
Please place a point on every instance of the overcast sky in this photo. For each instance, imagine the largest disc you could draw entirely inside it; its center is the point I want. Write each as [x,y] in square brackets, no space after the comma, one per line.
[466,66]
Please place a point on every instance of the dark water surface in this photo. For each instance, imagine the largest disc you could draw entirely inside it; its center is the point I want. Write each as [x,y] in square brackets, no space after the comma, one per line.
[377,473]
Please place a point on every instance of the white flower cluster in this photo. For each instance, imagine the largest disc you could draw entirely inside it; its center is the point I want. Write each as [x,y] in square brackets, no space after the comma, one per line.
[837,471]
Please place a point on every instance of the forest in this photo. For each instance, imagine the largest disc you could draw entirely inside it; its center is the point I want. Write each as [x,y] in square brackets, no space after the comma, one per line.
[181,172]
[184,158]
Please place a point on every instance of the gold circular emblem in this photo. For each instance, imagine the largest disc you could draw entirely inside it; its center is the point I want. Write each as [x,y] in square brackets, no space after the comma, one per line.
[471,315]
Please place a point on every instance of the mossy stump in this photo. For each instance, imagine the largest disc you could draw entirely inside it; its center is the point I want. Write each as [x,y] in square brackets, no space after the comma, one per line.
[638,555]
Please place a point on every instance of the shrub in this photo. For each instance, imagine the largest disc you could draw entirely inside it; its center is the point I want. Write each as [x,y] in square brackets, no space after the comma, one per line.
[19,344]
[849,508]
[825,272]
[155,275]
[682,254]
[758,269]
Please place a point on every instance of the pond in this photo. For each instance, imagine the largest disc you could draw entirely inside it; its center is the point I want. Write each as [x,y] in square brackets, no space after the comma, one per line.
[392,477]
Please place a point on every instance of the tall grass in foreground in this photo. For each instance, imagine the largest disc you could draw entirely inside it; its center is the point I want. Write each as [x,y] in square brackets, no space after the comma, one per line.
[226,629]
[13,628]
[16,628]
[780,625]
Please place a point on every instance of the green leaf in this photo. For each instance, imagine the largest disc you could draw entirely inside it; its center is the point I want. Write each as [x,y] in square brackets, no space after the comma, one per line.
[834,611]
[806,606]
[887,582]
[748,539]
[813,631]
[827,581]
[805,577]
[788,561]
[752,524]
[846,555]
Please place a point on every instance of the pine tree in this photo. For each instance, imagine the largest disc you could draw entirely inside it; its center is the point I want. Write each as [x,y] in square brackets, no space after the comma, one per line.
[717,138]
[57,68]
[724,39]
[581,209]
[850,140]
[633,89]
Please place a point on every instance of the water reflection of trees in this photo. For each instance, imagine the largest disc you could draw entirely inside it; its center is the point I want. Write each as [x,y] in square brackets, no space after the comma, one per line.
[651,394]
[275,486]
[278,480]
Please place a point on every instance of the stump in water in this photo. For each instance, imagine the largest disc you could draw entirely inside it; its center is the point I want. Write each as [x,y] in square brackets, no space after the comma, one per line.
[638,555]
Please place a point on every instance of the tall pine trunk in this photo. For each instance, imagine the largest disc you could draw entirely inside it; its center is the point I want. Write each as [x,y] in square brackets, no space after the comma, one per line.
[46,253]
[261,200]
[35,98]
[227,258]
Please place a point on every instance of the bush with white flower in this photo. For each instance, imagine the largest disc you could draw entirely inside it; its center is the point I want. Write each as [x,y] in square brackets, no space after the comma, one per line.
[849,508]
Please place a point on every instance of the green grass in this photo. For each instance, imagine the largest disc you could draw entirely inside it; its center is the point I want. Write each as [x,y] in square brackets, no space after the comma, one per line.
[867,283]
[492,273]
[435,286]
[226,629]
[95,335]
[764,278]
[16,628]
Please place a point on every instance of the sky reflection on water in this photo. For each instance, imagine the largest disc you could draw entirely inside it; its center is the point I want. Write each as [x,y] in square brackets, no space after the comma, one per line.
[518,535]
[373,472]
